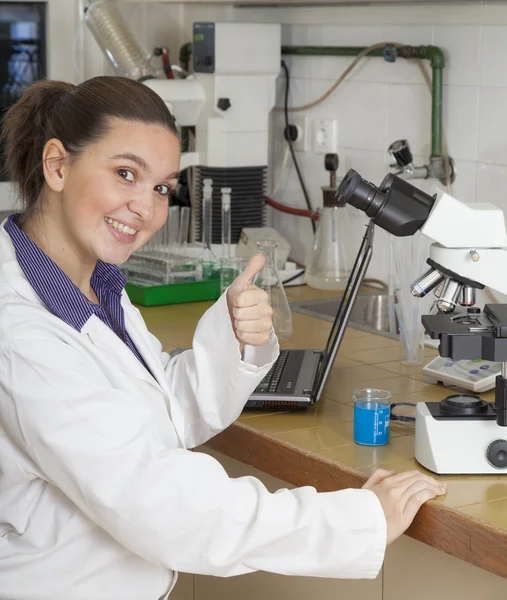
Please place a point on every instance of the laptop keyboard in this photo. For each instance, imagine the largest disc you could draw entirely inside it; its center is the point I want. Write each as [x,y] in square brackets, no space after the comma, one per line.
[283,375]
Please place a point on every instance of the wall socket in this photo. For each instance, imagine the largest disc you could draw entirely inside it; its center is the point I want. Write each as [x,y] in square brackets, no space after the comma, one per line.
[324,135]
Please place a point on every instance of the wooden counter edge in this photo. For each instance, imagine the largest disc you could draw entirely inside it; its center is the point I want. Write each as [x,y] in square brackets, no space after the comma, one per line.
[437,525]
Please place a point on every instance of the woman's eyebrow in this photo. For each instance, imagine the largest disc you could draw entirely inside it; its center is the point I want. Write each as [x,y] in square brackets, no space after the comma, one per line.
[134,158]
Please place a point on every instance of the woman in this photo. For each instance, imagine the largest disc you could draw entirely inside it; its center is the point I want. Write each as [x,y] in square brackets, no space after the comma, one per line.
[100,497]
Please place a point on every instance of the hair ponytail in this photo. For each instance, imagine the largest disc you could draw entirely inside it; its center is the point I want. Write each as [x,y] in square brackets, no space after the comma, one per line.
[27,126]
[76,115]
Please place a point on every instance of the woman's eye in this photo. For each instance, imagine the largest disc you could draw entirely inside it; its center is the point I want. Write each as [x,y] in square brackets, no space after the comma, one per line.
[164,190]
[126,174]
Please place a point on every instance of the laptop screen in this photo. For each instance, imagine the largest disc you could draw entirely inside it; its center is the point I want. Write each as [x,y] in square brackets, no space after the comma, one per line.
[343,314]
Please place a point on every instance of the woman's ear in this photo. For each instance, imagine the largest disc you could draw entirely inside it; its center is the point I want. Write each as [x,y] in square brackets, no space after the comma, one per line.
[54,162]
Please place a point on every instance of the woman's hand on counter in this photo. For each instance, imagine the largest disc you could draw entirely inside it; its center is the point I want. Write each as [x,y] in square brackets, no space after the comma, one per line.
[249,308]
[401,496]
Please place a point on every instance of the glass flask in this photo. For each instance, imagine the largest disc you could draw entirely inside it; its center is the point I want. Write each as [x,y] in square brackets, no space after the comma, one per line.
[117,41]
[269,280]
[327,265]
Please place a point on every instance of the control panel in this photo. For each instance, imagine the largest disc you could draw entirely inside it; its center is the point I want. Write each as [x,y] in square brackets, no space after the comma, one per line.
[203,47]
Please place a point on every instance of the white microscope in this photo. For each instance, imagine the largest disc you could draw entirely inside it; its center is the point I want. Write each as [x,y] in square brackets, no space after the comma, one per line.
[461,434]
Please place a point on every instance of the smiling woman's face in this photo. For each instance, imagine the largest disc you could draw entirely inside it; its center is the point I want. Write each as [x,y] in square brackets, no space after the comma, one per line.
[115,194]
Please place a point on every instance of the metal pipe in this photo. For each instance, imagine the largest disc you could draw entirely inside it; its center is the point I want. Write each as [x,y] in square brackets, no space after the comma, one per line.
[329,51]
[431,53]
[436,57]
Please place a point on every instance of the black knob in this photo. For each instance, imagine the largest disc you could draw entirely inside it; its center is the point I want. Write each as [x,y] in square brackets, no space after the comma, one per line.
[223,103]
[400,151]
[331,162]
[496,454]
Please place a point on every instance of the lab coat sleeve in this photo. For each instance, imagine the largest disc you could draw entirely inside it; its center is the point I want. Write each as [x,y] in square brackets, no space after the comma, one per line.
[212,382]
[111,454]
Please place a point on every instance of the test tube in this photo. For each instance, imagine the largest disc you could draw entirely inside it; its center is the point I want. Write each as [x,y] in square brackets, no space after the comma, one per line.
[226,222]
[174,229]
[207,207]
[184,223]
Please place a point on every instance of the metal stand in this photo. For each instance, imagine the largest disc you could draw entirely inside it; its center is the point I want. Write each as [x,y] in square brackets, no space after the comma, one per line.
[501,397]
[474,335]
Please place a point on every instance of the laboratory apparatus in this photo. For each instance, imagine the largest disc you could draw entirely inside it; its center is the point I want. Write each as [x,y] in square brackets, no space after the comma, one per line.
[461,434]
[227,99]
[118,43]
[326,264]
[226,222]
[372,416]
[405,168]
[269,280]
[208,258]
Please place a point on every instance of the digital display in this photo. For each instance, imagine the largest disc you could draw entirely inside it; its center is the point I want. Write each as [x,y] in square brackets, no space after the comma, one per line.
[198,37]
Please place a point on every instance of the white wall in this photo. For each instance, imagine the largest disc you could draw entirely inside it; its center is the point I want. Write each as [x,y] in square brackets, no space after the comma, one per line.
[382,102]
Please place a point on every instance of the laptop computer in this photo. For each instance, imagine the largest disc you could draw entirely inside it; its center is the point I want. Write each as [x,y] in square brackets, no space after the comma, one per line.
[297,378]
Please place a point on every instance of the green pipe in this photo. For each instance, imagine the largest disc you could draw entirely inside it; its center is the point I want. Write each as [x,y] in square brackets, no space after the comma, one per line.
[436,112]
[431,53]
[436,58]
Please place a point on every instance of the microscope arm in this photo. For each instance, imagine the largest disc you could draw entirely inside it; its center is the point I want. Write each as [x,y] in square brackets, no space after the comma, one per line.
[486,266]
[471,241]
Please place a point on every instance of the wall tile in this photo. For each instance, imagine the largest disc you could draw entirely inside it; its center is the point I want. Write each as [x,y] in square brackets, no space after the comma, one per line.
[465,184]
[360,109]
[492,185]
[492,125]
[461,121]
[409,117]
[494,51]
[462,48]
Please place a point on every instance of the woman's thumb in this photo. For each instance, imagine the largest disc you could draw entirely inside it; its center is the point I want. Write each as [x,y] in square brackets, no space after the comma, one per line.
[254,266]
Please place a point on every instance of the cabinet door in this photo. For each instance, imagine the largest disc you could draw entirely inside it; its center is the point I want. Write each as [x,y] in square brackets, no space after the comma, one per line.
[184,588]
[261,585]
[417,571]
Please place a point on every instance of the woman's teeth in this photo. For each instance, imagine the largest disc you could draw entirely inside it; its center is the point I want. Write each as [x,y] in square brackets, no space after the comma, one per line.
[123,228]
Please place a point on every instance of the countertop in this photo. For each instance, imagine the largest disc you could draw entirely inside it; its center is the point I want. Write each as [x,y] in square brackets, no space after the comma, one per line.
[315,447]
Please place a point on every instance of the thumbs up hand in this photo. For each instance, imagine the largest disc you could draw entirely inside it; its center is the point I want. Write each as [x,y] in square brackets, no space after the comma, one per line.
[249,308]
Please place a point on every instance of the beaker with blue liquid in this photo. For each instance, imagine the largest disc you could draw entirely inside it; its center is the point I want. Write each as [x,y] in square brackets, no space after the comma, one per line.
[372,412]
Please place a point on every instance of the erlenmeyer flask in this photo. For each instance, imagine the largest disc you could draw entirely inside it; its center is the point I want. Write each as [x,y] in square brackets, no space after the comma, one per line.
[269,280]
[327,267]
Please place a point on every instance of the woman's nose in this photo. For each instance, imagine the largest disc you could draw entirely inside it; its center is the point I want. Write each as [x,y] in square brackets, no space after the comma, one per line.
[142,205]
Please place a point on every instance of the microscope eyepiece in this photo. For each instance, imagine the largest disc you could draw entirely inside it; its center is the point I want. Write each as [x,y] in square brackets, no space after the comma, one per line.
[395,205]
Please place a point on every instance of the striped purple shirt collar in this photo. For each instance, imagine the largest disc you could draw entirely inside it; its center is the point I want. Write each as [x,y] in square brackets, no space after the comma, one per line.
[62,297]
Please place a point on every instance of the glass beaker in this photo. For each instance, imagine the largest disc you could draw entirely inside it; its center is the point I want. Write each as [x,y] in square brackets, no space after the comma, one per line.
[372,416]
[269,280]
[327,266]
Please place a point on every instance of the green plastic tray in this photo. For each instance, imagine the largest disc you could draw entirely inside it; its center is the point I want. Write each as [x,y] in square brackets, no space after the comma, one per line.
[174,293]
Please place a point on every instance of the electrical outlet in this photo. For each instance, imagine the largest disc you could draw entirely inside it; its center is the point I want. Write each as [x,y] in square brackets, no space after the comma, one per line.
[301,144]
[324,135]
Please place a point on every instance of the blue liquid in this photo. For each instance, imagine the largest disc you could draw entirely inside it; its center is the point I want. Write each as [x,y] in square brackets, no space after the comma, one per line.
[371,423]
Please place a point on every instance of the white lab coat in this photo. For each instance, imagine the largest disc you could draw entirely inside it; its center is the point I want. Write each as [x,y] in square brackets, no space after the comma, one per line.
[100,497]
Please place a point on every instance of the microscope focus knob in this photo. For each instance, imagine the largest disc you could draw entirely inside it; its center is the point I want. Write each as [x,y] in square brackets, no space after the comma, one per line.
[224,104]
[400,150]
[496,454]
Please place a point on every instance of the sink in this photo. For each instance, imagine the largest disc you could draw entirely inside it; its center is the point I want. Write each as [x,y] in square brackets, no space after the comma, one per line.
[371,313]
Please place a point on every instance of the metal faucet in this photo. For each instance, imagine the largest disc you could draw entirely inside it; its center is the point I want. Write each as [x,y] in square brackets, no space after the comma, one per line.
[400,151]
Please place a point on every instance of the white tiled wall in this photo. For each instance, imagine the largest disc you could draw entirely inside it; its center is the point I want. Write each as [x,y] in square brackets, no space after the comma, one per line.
[381,102]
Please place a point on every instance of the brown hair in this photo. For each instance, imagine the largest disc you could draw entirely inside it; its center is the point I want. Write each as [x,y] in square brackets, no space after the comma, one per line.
[76,115]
